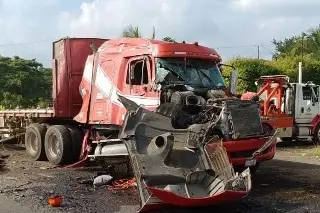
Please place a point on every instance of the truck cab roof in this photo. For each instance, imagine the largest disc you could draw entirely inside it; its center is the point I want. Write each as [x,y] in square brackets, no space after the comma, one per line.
[157,48]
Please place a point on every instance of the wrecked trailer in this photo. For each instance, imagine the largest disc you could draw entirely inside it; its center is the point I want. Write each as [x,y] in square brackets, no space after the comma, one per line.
[178,167]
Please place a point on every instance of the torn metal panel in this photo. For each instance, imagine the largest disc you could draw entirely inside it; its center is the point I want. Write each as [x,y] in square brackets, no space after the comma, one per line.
[174,167]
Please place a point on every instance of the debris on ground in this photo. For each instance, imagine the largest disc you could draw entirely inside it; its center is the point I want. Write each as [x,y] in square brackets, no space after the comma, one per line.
[55,201]
[3,158]
[102,180]
[123,184]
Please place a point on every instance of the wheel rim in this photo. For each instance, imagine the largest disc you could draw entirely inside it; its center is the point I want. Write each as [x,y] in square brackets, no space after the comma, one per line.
[32,143]
[54,146]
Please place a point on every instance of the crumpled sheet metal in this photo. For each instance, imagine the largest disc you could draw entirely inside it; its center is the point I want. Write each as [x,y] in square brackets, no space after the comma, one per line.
[169,173]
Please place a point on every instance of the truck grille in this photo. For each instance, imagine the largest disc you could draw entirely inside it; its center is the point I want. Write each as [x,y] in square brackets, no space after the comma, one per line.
[246,122]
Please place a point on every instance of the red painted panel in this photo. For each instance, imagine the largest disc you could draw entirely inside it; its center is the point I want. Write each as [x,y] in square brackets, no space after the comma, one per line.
[69,56]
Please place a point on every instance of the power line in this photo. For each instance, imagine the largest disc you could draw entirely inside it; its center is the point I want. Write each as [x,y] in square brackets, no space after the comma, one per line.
[236,46]
[244,46]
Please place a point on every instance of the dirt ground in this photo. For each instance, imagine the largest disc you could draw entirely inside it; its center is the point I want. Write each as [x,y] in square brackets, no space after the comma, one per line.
[289,183]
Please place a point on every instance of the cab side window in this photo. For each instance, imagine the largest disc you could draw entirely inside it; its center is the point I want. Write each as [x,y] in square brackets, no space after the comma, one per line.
[137,73]
[306,93]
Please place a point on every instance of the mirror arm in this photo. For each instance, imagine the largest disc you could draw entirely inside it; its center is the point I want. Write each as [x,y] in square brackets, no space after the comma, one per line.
[227,65]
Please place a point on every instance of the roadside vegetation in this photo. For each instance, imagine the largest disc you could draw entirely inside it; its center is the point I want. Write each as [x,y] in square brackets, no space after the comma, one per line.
[288,53]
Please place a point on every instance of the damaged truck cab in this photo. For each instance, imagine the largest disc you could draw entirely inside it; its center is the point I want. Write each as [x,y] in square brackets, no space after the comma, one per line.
[177,80]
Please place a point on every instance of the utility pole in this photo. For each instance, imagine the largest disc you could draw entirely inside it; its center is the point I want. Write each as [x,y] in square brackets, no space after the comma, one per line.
[258,51]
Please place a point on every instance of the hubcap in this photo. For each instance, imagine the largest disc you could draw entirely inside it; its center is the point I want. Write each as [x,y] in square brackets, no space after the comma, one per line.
[32,143]
[54,146]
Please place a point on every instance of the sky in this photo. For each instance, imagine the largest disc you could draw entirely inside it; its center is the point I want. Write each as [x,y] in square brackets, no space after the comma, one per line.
[233,27]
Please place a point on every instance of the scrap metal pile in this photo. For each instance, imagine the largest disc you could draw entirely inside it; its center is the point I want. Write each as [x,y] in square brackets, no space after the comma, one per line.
[177,157]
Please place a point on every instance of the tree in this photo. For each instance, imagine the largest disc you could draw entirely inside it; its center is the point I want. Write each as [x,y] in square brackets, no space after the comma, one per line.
[24,83]
[169,39]
[249,71]
[289,52]
[307,43]
[153,33]
[131,32]
[134,32]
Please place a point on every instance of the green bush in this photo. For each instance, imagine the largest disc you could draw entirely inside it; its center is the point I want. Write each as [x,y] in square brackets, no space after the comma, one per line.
[249,71]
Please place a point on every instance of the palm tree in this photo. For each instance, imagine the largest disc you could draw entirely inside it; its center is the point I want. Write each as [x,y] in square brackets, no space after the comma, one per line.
[131,32]
[169,39]
[134,32]
[153,33]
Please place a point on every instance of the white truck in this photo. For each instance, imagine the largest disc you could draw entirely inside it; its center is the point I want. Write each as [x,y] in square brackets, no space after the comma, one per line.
[293,108]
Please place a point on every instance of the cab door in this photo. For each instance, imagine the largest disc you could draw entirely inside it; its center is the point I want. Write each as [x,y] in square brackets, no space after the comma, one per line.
[138,83]
[307,103]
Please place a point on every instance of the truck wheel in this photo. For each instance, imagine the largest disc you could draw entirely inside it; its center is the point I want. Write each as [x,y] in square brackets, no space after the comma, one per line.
[76,143]
[58,145]
[34,141]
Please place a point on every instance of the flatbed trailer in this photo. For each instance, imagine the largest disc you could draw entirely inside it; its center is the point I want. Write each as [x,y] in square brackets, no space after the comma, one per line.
[15,122]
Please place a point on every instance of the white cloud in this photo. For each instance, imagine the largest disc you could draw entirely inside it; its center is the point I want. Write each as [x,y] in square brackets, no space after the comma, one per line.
[275,8]
[27,21]
[180,19]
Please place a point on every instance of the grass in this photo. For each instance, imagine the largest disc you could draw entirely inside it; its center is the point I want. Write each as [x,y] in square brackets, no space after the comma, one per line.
[314,151]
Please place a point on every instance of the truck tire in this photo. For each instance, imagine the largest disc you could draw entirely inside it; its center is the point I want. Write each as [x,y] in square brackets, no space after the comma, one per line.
[58,145]
[76,139]
[34,141]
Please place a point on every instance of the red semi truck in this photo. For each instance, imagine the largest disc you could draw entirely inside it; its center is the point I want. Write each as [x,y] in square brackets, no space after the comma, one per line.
[86,117]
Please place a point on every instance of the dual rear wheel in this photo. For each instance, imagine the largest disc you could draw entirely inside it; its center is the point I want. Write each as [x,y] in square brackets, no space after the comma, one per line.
[58,144]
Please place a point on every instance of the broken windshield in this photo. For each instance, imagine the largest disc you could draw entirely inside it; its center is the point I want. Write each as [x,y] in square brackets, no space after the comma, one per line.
[193,72]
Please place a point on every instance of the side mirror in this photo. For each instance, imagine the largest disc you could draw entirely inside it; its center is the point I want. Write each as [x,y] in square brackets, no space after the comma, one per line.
[155,86]
[233,82]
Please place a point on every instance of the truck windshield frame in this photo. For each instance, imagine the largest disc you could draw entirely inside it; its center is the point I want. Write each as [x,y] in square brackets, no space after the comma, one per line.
[195,72]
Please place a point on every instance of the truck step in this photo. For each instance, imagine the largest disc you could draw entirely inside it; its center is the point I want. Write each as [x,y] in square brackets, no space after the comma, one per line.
[108,155]
[304,137]
[107,141]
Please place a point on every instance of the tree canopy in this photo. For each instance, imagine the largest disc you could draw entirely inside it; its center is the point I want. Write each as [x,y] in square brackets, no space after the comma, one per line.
[24,83]
[307,43]
[131,32]
[169,39]
[289,52]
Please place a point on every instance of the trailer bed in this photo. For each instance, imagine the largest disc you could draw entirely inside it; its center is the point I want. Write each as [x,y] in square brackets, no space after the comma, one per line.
[29,113]
[14,122]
